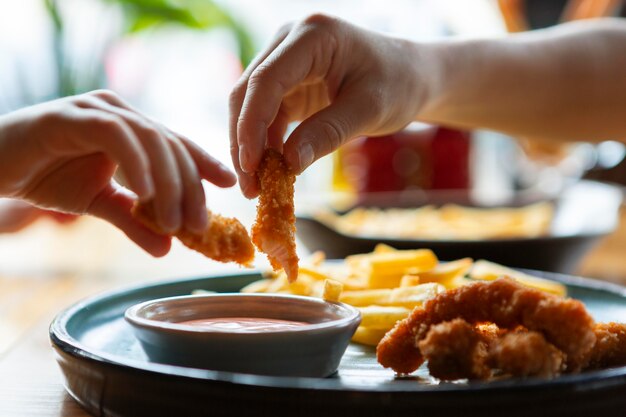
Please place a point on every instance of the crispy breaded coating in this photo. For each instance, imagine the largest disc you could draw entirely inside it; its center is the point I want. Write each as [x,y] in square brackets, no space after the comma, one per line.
[456,350]
[610,347]
[275,227]
[526,353]
[224,240]
[504,302]
[398,349]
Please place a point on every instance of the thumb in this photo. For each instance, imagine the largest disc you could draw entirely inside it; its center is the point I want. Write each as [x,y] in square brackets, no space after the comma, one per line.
[113,205]
[327,130]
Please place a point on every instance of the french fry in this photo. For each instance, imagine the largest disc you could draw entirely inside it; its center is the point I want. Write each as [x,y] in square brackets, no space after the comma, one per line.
[383,248]
[409,280]
[397,262]
[402,296]
[368,336]
[415,296]
[459,282]
[332,290]
[485,270]
[446,273]
[382,317]
[280,284]
[313,273]
[303,286]
[317,258]
[387,269]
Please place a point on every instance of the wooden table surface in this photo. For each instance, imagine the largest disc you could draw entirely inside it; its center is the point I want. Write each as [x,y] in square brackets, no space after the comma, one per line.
[30,381]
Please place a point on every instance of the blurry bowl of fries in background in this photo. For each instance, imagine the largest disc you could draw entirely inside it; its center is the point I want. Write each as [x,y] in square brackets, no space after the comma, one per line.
[534,233]
[386,284]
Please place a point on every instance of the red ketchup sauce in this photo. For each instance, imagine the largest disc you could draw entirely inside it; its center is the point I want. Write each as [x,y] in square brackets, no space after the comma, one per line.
[244,324]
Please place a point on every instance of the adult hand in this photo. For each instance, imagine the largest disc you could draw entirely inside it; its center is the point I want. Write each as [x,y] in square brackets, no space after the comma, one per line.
[62,155]
[340,80]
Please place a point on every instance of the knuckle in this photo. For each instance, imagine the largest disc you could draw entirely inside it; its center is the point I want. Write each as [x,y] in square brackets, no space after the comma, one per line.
[82,101]
[263,75]
[103,94]
[333,132]
[258,76]
[106,121]
[236,95]
[319,20]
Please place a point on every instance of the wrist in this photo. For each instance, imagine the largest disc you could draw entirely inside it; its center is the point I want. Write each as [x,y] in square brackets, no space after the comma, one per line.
[430,72]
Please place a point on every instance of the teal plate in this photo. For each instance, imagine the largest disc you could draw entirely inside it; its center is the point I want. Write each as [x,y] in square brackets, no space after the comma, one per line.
[106,371]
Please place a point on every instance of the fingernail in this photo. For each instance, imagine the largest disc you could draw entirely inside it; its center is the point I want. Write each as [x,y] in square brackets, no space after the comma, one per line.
[244,158]
[173,219]
[201,222]
[147,188]
[306,155]
[228,173]
[247,186]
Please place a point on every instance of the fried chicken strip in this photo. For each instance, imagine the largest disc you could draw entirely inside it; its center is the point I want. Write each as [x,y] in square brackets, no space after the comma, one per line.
[563,322]
[610,347]
[224,240]
[457,350]
[526,353]
[274,229]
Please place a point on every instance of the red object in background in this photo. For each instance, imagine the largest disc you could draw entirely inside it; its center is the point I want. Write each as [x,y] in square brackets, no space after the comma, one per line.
[419,157]
[450,159]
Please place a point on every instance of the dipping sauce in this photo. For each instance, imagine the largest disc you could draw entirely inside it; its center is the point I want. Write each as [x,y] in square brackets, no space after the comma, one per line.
[244,324]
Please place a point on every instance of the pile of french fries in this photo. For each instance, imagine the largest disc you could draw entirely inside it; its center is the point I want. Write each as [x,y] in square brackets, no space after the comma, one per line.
[386,284]
[446,222]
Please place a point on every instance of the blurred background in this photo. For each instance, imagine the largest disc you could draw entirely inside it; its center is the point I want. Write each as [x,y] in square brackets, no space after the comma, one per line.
[177,61]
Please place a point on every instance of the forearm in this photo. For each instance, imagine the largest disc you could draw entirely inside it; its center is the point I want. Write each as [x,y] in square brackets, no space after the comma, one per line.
[565,83]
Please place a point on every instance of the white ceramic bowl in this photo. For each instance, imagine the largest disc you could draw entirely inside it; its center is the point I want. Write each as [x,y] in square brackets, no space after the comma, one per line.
[313,349]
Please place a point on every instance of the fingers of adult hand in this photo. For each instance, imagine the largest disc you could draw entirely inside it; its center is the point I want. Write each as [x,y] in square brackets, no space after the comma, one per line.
[276,131]
[209,168]
[194,204]
[247,182]
[163,168]
[107,133]
[113,205]
[238,94]
[326,130]
[305,54]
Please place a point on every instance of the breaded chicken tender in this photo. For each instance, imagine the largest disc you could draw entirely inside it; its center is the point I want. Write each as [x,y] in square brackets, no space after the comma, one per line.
[458,350]
[526,353]
[224,240]
[610,347]
[275,227]
[563,322]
